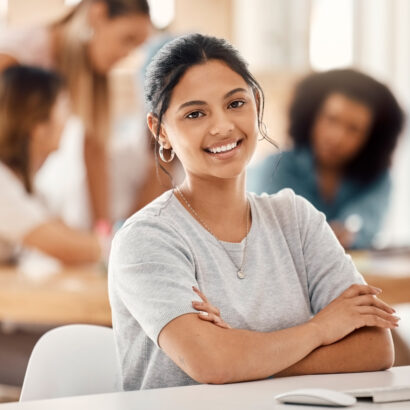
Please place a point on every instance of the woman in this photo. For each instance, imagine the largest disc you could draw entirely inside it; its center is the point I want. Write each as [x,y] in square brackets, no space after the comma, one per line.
[33,111]
[344,126]
[83,47]
[266,262]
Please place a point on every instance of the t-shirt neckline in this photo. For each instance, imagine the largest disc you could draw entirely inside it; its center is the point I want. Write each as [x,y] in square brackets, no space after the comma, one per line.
[234,246]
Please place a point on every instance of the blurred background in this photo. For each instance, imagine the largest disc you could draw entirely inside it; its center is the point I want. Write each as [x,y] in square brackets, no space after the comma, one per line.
[283,40]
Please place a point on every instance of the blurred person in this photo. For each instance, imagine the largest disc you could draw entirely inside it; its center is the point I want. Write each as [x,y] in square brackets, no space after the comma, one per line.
[83,46]
[34,106]
[344,126]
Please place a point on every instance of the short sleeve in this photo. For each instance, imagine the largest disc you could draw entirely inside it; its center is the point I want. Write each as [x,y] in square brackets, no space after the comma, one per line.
[330,271]
[152,271]
[20,212]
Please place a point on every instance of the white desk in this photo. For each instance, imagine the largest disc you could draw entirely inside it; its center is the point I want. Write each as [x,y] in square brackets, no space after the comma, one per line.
[240,396]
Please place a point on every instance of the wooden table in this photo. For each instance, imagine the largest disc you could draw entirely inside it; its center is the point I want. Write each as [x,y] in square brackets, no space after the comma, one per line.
[389,271]
[75,295]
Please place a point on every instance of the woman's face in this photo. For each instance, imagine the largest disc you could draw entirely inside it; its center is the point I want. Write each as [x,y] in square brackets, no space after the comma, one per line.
[211,122]
[340,130]
[114,38]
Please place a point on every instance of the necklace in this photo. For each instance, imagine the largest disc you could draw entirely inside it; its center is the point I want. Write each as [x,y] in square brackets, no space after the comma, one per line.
[240,273]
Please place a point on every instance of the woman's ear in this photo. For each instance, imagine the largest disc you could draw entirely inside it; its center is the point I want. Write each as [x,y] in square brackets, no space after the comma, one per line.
[162,138]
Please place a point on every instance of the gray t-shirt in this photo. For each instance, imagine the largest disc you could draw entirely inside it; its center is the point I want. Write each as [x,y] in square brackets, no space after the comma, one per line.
[294,267]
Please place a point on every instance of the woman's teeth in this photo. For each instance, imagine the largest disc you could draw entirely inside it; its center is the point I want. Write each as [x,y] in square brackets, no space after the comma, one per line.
[223,148]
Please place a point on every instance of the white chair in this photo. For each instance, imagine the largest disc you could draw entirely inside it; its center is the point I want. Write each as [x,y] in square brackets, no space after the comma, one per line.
[72,360]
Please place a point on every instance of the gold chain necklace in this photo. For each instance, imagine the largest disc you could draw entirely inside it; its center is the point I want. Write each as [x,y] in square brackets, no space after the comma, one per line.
[240,269]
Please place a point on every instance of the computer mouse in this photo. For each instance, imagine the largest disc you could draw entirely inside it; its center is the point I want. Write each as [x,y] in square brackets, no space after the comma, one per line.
[323,397]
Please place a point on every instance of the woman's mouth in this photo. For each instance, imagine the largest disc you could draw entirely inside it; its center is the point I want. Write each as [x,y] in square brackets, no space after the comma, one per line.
[224,151]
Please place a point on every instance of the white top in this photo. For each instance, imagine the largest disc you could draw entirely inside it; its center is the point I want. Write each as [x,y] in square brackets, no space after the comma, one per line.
[20,213]
[30,46]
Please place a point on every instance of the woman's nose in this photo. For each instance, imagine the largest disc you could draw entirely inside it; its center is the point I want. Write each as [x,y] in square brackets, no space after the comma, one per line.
[221,125]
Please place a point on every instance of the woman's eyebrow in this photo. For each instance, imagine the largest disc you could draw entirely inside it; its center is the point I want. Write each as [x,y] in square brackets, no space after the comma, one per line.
[200,102]
[236,90]
[189,103]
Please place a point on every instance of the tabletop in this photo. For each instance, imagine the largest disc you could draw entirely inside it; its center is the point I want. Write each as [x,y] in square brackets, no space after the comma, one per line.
[74,295]
[387,269]
[239,396]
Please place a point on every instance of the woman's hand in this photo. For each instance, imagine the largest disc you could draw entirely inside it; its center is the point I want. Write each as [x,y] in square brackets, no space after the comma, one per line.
[207,311]
[356,307]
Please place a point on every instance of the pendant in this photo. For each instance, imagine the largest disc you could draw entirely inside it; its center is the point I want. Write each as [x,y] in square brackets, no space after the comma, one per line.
[240,274]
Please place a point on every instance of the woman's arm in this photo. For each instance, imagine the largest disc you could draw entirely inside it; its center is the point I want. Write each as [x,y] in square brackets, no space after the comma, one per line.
[211,354]
[95,157]
[68,245]
[6,61]
[366,349]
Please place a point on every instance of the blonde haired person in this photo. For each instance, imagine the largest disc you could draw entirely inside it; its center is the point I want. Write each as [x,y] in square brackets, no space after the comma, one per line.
[83,46]
[33,110]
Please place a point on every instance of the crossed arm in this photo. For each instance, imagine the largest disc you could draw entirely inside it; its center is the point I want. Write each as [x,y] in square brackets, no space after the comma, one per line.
[351,334]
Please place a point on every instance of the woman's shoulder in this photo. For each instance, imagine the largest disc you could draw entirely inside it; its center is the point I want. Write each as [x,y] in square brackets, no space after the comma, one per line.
[284,204]
[284,197]
[156,229]
[158,217]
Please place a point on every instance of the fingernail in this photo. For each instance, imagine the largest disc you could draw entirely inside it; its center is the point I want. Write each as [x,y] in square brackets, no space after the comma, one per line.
[194,302]
[203,313]
[397,317]
[377,289]
[194,288]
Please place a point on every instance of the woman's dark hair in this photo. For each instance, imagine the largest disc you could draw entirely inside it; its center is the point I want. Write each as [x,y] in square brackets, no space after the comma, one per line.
[388,118]
[27,95]
[176,57]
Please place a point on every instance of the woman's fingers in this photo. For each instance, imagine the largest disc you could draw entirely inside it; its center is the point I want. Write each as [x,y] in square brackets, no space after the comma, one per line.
[372,320]
[207,311]
[200,294]
[211,317]
[356,290]
[207,307]
[377,313]
[371,300]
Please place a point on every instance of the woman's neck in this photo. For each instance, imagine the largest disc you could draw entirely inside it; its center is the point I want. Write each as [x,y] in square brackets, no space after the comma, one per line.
[55,32]
[221,204]
[329,180]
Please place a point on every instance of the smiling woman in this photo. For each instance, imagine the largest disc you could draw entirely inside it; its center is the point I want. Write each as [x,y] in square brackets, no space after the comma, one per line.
[279,295]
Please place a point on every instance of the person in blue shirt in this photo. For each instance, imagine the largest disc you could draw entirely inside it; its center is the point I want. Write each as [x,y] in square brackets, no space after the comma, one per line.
[344,126]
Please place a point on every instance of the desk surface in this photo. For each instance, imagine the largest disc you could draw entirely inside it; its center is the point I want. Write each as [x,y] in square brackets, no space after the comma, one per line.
[388,270]
[75,295]
[240,396]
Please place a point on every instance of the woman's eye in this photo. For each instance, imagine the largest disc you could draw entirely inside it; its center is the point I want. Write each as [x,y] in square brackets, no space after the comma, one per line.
[236,104]
[194,114]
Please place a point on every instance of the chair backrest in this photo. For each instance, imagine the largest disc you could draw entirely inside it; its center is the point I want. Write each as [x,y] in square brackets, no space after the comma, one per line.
[70,361]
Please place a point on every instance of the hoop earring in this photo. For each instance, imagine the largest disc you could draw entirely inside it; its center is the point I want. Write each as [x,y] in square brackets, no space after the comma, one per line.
[161,154]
